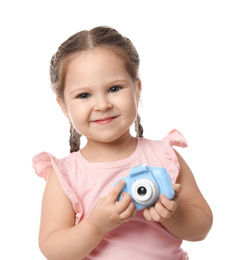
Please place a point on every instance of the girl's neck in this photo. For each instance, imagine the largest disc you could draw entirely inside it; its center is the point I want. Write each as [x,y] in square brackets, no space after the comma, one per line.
[108,152]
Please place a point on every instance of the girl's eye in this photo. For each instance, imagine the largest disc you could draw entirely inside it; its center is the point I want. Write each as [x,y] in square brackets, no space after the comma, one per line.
[84,95]
[114,89]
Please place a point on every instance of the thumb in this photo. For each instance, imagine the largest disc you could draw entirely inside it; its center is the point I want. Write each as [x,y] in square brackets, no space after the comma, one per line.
[113,195]
[177,188]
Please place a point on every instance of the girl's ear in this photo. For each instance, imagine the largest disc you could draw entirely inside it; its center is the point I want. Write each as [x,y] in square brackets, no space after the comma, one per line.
[63,108]
[139,89]
[139,86]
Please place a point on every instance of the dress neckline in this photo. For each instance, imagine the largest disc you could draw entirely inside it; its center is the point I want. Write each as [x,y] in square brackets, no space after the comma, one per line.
[115,164]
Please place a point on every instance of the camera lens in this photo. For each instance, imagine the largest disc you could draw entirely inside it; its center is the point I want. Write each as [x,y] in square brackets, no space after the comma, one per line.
[145,192]
[142,191]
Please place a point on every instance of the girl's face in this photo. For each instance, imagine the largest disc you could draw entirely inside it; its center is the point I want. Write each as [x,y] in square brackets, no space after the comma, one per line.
[100,98]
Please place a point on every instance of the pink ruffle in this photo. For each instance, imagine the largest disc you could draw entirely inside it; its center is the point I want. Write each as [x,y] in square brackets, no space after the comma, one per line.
[43,164]
[185,256]
[174,138]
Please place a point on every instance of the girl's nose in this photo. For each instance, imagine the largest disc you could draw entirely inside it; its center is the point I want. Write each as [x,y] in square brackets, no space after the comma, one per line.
[102,104]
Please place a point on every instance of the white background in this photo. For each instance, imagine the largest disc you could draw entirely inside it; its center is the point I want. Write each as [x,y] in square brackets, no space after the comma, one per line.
[193,61]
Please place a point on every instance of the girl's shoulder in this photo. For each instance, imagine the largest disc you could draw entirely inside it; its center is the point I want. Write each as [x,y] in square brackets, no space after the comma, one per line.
[175,138]
[165,145]
[161,153]
[44,162]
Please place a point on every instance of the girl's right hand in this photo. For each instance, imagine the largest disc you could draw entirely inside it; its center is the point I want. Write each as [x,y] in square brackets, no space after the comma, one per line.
[109,214]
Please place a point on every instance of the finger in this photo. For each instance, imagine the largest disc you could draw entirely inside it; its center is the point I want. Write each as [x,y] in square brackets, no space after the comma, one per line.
[129,212]
[155,215]
[170,205]
[147,215]
[123,204]
[162,211]
[113,195]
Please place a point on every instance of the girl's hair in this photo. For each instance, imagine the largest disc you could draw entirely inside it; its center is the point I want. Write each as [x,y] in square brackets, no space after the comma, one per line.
[101,36]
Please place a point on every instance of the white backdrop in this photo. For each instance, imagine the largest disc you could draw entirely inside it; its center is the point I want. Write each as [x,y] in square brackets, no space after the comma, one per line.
[193,61]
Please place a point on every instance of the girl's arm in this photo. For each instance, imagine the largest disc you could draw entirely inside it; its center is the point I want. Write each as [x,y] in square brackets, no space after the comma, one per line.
[188,216]
[60,239]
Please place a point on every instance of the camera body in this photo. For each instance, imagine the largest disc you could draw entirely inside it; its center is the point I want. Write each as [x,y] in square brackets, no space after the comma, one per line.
[145,183]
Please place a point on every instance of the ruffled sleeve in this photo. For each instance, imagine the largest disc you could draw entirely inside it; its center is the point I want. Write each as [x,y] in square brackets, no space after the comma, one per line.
[174,138]
[43,164]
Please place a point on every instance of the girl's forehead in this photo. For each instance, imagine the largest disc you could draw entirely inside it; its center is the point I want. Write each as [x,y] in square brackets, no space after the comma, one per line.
[96,62]
[97,53]
[96,66]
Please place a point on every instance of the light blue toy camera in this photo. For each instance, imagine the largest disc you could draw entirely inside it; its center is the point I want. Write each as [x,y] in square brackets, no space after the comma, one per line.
[145,183]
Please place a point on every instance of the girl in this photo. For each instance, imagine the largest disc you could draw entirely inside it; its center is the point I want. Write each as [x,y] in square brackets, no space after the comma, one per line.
[95,77]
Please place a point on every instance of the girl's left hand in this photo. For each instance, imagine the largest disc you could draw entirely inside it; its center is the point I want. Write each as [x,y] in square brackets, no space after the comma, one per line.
[164,208]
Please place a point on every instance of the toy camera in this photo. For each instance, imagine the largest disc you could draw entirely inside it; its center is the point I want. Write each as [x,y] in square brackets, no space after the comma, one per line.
[145,183]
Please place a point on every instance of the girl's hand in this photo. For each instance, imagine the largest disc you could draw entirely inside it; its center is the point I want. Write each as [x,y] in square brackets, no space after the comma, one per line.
[109,214]
[164,208]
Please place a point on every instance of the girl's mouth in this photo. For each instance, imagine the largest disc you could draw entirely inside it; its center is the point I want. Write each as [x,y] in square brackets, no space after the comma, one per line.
[103,121]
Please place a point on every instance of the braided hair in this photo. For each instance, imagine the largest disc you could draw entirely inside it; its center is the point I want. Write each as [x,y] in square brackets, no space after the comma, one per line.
[101,36]
[74,140]
[138,126]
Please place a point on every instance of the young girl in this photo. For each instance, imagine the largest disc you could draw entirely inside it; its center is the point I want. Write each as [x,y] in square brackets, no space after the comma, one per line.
[95,77]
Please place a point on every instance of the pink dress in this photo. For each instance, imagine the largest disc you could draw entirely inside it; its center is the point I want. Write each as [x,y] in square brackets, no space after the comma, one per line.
[85,182]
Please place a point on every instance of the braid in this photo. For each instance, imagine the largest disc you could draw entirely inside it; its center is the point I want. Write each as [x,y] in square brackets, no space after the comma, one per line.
[138,126]
[74,140]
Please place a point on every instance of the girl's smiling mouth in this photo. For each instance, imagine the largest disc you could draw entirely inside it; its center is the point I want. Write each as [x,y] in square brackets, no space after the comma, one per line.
[103,121]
